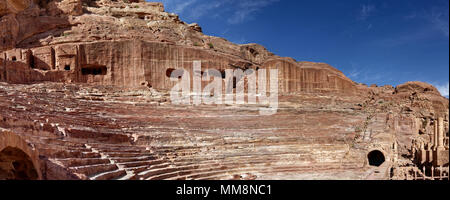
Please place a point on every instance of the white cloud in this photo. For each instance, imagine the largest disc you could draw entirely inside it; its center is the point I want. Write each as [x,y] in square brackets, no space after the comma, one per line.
[180,7]
[400,40]
[177,6]
[235,11]
[247,8]
[366,11]
[439,18]
[206,8]
[435,22]
[367,75]
[435,17]
[410,16]
[443,89]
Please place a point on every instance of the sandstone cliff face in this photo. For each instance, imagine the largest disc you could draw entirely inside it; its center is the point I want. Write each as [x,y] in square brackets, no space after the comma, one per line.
[96,42]
[83,95]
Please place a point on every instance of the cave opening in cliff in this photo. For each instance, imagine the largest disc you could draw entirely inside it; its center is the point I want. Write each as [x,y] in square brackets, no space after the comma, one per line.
[31,61]
[14,58]
[67,67]
[16,165]
[176,73]
[376,158]
[169,72]
[94,70]
[223,73]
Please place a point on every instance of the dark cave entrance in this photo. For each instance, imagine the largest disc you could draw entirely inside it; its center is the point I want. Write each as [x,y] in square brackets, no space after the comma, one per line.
[16,165]
[94,70]
[376,158]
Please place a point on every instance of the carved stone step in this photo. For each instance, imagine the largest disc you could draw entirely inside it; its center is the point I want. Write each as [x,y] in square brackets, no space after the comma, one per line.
[74,162]
[110,175]
[90,170]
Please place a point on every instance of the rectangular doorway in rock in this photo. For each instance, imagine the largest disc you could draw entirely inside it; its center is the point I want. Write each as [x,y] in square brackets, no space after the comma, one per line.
[94,70]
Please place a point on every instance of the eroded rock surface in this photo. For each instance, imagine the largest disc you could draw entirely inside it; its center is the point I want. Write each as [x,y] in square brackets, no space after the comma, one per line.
[84,94]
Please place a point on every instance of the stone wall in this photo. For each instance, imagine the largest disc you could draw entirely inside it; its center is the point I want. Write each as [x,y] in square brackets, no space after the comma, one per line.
[9,141]
[131,63]
[309,77]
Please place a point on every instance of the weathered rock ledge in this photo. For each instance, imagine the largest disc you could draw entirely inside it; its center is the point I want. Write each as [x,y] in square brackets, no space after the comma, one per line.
[83,95]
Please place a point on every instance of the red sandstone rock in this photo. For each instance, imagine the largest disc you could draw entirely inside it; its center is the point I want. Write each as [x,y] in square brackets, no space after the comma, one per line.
[109,33]
[418,87]
[97,107]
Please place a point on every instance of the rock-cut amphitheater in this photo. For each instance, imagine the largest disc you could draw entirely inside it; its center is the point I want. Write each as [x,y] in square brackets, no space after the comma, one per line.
[85,95]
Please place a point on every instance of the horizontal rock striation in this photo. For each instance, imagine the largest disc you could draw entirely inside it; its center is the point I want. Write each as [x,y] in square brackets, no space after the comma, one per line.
[84,95]
[60,43]
[78,137]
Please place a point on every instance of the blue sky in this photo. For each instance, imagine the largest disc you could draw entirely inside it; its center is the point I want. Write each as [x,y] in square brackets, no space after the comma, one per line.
[383,42]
